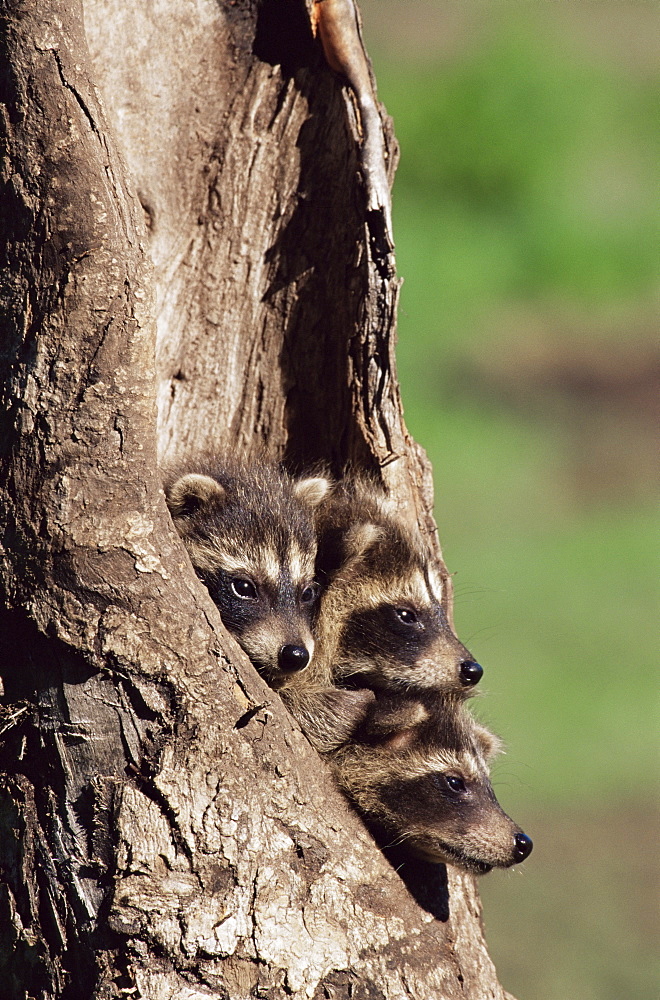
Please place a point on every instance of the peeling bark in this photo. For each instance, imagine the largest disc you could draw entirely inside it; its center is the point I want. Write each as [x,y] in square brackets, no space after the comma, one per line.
[186,265]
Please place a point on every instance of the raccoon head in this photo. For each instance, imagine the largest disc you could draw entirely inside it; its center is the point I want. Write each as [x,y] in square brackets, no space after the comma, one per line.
[421,781]
[382,615]
[250,536]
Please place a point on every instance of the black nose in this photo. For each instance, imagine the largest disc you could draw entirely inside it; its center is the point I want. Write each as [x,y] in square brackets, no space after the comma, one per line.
[293,658]
[523,846]
[470,672]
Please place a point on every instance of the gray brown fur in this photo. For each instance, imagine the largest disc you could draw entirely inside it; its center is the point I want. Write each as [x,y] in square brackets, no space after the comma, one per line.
[252,523]
[395,770]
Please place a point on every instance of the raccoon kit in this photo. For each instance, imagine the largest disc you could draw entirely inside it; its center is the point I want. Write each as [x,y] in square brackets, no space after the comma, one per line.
[382,624]
[417,771]
[249,532]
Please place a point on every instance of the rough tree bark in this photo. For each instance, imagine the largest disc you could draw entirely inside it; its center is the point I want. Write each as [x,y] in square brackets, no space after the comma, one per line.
[186,265]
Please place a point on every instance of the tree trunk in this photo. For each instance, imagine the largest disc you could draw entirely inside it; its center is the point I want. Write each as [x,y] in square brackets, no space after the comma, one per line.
[188,265]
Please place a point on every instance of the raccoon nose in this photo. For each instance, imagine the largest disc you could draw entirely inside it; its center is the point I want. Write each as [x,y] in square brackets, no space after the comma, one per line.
[293,658]
[470,672]
[523,847]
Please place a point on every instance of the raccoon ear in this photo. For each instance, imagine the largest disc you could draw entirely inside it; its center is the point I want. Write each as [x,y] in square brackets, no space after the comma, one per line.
[393,722]
[489,744]
[359,538]
[401,740]
[186,495]
[312,491]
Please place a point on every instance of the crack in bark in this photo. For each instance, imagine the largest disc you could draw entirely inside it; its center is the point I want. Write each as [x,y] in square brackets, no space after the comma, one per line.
[76,94]
[146,785]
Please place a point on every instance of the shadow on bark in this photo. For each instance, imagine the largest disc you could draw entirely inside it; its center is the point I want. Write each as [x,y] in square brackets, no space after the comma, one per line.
[426,882]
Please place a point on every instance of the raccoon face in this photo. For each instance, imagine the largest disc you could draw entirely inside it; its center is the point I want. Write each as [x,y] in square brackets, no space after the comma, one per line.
[250,536]
[407,646]
[418,773]
[448,813]
[396,635]
[270,618]
[382,623]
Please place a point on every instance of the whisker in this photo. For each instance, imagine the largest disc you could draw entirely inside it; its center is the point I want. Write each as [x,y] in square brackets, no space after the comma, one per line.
[406,835]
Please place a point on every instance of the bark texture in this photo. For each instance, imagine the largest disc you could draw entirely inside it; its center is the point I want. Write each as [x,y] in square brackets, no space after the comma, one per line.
[187,265]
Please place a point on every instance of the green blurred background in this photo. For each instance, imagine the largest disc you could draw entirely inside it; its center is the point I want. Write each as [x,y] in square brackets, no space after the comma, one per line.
[526,225]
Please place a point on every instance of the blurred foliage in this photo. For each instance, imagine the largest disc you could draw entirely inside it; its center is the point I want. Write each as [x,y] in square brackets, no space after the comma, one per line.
[526,213]
[524,174]
[525,179]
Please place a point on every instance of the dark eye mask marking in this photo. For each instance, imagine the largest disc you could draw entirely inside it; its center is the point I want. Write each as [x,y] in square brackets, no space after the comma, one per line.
[381,633]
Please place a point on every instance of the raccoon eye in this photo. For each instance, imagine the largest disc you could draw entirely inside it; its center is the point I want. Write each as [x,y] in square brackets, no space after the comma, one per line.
[406,616]
[244,589]
[310,593]
[456,784]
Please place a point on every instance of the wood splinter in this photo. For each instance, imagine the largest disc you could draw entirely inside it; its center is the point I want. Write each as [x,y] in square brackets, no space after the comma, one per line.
[338,26]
